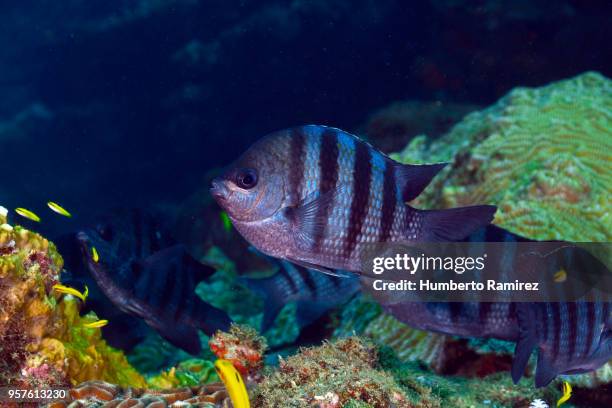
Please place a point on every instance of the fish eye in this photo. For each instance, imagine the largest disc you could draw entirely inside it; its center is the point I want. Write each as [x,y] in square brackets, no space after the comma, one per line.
[246,178]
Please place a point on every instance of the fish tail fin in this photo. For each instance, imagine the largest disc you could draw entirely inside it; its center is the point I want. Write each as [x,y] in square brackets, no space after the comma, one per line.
[209,319]
[274,299]
[455,224]
[527,340]
[545,372]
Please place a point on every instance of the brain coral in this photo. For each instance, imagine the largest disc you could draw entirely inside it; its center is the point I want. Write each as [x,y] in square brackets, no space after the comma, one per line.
[43,340]
[542,155]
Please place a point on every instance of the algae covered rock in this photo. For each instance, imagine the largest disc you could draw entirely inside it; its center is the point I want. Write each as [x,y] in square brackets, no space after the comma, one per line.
[335,374]
[542,155]
[43,339]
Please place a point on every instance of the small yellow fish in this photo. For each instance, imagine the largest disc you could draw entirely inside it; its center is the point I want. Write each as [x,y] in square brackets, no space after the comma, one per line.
[27,214]
[94,255]
[58,209]
[233,382]
[560,276]
[96,324]
[567,393]
[72,291]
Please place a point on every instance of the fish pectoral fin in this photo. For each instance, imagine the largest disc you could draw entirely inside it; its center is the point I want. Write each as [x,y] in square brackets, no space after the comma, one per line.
[412,179]
[545,371]
[455,224]
[307,219]
[527,340]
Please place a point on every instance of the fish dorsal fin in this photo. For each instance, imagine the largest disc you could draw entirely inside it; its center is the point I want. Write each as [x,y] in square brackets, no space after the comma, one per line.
[413,178]
[455,224]
[526,342]
[306,216]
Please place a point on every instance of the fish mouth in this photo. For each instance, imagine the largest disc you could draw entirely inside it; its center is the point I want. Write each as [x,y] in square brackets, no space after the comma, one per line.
[219,190]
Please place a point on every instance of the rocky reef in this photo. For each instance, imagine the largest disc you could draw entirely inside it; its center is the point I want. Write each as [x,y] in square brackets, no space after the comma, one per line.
[44,340]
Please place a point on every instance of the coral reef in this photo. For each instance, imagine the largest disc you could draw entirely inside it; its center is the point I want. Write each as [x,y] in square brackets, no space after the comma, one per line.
[103,394]
[44,340]
[541,154]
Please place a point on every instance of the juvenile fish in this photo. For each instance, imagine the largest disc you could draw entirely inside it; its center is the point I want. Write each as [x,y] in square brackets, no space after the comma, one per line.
[317,196]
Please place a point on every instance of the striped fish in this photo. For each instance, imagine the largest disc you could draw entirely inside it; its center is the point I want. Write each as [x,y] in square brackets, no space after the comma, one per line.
[318,196]
[313,292]
[570,337]
[144,273]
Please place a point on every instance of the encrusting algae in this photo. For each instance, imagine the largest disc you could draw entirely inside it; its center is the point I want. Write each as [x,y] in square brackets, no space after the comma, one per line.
[44,340]
[331,376]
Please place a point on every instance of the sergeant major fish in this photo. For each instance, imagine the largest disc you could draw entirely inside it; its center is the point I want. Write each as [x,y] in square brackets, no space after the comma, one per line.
[570,337]
[316,196]
[313,292]
[144,273]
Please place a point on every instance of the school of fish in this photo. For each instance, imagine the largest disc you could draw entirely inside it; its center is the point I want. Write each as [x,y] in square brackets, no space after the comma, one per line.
[317,196]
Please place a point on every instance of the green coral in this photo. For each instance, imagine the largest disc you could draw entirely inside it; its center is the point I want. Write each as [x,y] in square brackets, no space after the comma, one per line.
[188,373]
[542,155]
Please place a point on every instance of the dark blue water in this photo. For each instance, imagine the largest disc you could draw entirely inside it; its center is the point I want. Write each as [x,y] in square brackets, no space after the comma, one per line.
[131,103]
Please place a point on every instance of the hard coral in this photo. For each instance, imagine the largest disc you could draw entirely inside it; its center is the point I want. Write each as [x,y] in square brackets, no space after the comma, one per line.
[103,394]
[42,338]
[542,155]
[331,375]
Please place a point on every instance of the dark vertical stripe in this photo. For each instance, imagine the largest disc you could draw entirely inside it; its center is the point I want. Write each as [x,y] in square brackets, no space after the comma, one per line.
[361,193]
[170,303]
[590,327]
[556,315]
[389,202]
[287,277]
[337,282]
[572,319]
[162,288]
[545,324]
[328,166]
[306,276]
[484,308]
[456,308]
[297,155]
[187,291]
